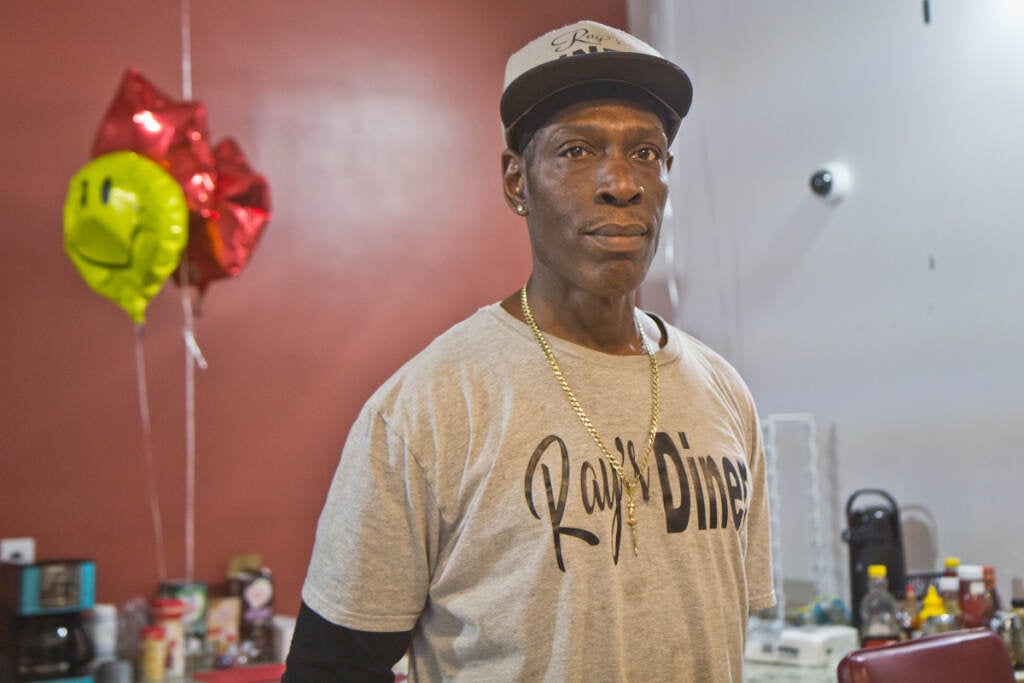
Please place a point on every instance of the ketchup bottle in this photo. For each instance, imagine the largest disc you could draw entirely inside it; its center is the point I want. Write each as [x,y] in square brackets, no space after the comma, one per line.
[975,601]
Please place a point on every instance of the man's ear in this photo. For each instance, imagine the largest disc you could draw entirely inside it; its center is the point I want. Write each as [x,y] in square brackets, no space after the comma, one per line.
[513,180]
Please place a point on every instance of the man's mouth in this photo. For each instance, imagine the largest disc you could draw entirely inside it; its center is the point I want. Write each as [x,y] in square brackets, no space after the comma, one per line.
[616,230]
[620,238]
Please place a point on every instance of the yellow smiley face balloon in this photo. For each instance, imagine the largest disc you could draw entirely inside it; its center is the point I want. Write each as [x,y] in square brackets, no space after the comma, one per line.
[125,225]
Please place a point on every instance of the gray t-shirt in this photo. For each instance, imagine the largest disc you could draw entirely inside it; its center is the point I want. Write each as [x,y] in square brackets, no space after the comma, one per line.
[471,505]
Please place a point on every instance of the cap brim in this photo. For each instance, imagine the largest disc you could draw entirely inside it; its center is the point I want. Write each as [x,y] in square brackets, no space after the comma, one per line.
[663,80]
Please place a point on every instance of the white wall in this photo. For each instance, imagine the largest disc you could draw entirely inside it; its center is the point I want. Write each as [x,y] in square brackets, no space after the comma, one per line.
[895,316]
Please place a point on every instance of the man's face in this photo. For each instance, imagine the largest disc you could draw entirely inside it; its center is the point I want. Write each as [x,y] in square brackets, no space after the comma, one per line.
[594,180]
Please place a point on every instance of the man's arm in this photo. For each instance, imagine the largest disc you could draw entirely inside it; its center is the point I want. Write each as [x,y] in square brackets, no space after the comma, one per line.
[323,652]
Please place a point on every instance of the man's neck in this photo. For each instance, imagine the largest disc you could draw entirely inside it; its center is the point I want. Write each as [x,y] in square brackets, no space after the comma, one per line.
[602,323]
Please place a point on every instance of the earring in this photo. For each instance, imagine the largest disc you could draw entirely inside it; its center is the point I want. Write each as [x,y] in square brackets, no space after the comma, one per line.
[521,209]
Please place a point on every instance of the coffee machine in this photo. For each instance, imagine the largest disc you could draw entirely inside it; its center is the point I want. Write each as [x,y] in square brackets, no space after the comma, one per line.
[875,537]
[43,635]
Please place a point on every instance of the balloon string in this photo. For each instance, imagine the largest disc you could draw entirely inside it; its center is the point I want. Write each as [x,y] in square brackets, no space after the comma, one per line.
[186,51]
[193,354]
[193,357]
[147,451]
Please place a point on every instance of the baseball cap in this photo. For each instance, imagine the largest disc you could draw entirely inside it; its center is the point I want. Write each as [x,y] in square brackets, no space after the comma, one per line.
[588,60]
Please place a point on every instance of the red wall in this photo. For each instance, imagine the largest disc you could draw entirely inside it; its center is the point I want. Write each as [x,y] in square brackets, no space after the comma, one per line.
[377,127]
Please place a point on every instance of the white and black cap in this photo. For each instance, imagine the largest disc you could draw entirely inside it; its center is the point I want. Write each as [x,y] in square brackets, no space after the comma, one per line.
[588,60]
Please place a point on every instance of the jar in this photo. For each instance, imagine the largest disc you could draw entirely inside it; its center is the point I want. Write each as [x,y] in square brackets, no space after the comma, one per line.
[101,624]
[153,656]
[167,612]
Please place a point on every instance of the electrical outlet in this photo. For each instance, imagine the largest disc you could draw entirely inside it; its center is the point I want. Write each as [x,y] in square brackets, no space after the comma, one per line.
[18,550]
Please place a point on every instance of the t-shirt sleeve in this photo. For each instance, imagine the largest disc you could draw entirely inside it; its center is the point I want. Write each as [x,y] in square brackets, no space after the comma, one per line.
[760,587]
[322,652]
[376,540]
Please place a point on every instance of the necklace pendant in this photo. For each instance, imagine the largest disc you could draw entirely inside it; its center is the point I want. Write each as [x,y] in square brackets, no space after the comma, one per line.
[631,520]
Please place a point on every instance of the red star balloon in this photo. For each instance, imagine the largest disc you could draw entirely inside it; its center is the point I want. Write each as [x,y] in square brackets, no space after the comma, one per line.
[220,244]
[173,134]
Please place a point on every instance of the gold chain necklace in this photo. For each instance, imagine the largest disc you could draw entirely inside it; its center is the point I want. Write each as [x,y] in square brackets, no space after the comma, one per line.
[629,483]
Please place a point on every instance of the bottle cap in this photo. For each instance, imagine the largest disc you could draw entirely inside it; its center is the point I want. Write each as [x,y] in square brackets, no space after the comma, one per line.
[103,610]
[876,571]
[154,632]
[167,608]
[952,562]
[949,584]
[971,572]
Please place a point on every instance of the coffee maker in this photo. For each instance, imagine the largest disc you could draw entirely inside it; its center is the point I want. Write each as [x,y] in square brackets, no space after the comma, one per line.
[875,537]
[43,635]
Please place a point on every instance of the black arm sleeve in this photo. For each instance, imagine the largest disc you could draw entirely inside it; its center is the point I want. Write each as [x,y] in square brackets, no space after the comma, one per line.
[322,652]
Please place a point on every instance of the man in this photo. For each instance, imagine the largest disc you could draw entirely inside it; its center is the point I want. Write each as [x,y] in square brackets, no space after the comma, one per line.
[561,487]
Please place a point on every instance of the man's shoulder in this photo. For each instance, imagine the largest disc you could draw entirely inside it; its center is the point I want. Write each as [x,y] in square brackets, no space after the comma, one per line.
[696,351]
[468,344]
[460,343]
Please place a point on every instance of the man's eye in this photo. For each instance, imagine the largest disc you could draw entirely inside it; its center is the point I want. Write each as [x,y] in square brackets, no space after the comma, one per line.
[648,154]
[574,151]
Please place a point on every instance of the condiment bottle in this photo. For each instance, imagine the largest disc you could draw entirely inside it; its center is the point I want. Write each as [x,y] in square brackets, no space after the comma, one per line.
[879,624]
[949,591]
[989,574]
[908,611]
[1008,626]
[167,612]
[933,617]
[951,567]
[153,656]
[974,599]
[1018,607]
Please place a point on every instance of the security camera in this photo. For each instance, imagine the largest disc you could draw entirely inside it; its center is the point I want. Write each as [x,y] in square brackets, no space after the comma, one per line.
[832,181]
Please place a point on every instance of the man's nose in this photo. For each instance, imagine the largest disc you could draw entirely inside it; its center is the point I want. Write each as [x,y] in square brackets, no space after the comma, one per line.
[617,185]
